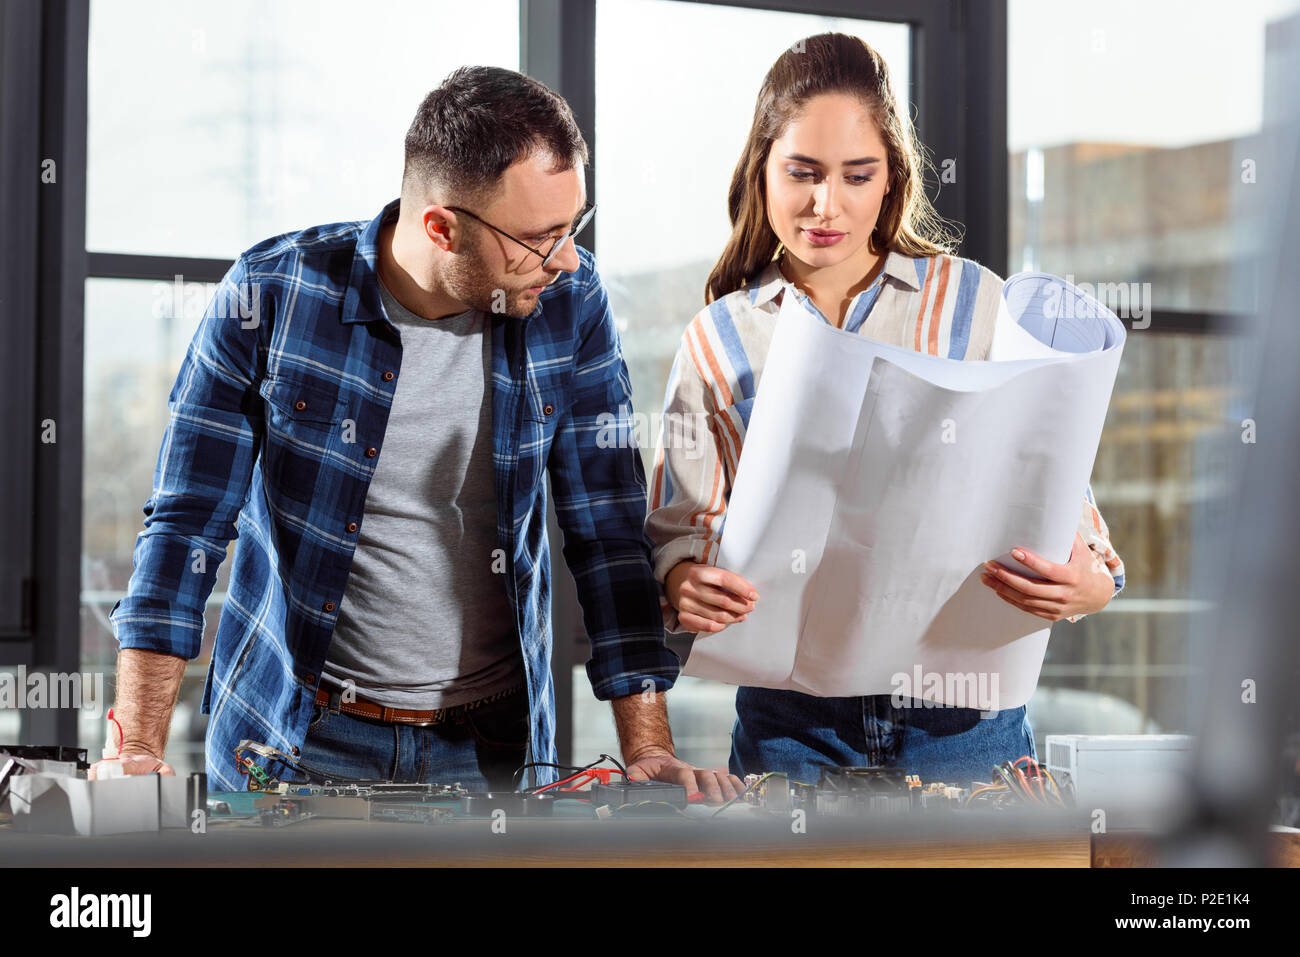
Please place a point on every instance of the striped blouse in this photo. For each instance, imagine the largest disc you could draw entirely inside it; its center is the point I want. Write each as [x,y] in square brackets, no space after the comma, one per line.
[940,305]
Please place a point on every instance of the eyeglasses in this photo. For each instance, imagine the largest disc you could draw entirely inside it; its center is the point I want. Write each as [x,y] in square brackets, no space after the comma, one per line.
[578,226]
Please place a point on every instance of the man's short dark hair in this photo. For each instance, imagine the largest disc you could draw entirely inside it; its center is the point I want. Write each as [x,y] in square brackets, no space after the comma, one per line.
[480,121]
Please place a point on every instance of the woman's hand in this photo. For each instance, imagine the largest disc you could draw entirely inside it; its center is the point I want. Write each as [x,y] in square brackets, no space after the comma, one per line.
[1080,587]
[708,599]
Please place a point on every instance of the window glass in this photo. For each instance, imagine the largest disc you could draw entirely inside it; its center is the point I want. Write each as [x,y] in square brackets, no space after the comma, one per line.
[214,126]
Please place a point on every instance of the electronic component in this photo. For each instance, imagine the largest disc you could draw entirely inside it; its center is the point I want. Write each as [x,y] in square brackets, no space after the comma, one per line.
[936,794]
[360,802]
[1134,777]
[406,793]
[402,814]
[57,752]
[619,794]
[770,791]
[869,780]
[847,791]
[276,812]
[513,803]
[258,778]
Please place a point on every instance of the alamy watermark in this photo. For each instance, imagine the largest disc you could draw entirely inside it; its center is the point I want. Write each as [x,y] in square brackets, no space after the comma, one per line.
[190,300]
[946,689]
[1128,300]
[76,909]
[39,690]
[687,431]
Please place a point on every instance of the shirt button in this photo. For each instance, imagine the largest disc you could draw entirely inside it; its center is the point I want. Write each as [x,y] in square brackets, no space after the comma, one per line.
[548,409]
[294,750]
[309,679]
[388,377]
[371,452]
[300,405]
[352,526]
[329,606]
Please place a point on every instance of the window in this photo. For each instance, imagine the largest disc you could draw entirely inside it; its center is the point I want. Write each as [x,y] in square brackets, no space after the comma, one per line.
[211,128]
[1133,171]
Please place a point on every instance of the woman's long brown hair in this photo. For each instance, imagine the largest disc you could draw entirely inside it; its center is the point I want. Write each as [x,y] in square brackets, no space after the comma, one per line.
[826,63]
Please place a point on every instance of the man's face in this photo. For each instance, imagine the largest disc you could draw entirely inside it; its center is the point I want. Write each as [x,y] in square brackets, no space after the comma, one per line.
[534,205]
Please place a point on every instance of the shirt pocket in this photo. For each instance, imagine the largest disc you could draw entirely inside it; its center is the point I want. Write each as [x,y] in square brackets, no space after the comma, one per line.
[304,424]
[544,407]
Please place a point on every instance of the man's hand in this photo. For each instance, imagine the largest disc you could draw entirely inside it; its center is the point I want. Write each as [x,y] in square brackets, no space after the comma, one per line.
[647,744]
[134,764]
[708,599]
[717,786]
[1080,587]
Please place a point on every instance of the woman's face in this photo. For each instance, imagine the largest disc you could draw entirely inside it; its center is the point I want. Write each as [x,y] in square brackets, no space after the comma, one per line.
[826,178]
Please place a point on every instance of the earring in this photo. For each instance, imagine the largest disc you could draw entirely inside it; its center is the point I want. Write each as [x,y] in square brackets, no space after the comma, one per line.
[780,251]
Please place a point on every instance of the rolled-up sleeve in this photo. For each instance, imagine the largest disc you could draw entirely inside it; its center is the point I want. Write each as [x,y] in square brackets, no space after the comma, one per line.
[202,477]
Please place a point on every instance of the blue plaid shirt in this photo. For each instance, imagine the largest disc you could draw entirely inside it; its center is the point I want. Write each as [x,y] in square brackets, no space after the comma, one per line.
[277,421]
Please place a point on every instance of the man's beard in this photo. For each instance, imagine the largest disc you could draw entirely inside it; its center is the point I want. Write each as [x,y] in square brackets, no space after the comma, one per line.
[470,282]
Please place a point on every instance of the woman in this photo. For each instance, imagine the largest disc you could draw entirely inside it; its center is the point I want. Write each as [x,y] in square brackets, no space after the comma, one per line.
[826,204]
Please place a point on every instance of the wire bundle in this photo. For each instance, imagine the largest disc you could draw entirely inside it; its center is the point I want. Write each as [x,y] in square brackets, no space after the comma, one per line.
[587,773]
[268,781]
[1034,785]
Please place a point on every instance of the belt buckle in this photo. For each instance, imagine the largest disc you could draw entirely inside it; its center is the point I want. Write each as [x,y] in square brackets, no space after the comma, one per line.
[438,716]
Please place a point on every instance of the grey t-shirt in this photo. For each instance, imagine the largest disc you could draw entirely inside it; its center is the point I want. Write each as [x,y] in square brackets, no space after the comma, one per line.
[425,621]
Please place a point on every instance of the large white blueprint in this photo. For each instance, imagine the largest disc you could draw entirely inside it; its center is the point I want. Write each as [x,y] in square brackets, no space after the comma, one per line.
[874,483]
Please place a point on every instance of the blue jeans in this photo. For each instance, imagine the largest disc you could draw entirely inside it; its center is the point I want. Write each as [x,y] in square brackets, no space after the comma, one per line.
[480,748]
[800,734]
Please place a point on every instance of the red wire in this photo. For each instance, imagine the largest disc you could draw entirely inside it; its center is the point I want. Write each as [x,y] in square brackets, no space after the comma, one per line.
[1036,774]
[591,774]
[1024,781]
[120,736]
[556,784]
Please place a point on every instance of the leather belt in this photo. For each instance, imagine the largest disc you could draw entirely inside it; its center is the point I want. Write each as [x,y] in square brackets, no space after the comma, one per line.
[378,712]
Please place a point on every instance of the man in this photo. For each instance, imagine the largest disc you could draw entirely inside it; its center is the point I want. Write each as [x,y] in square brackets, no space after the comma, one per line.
[376,404]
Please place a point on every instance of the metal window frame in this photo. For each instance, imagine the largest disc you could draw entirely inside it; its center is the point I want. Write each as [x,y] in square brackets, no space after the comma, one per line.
[20,117]
[44,270]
